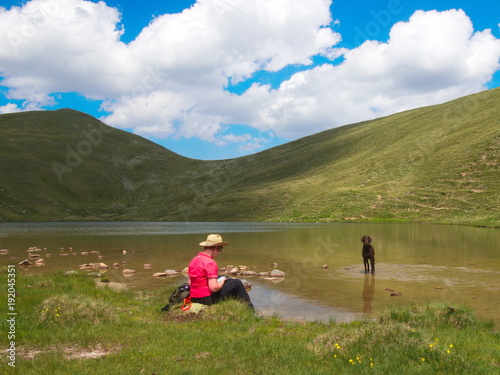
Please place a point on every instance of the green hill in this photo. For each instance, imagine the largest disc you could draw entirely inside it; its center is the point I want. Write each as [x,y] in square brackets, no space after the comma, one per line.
[434,164]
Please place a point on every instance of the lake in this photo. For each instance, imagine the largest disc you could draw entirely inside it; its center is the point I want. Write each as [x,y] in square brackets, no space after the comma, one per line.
[420,263]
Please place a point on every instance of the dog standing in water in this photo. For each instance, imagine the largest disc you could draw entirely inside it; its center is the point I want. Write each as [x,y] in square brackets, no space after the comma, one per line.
[368,254]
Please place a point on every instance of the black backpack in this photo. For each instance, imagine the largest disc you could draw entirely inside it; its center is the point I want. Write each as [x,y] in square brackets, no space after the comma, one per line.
[177,296]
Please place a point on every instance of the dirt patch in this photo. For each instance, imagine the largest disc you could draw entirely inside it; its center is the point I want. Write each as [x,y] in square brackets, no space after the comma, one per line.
[72,352]
[87,353]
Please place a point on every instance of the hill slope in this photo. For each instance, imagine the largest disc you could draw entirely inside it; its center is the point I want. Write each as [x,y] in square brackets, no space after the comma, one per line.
[433,164]
[68,165]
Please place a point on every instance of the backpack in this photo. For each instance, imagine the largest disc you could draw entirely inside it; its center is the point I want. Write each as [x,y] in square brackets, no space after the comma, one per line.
[177,296]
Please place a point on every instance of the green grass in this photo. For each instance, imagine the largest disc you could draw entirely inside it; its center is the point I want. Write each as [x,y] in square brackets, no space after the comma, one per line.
[126,333]
[437,164]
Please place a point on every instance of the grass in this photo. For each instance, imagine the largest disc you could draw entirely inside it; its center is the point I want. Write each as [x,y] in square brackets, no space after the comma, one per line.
[437,164]
[123,332]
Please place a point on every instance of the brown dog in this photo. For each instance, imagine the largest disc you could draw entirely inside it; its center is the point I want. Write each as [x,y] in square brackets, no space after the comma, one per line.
[368,254]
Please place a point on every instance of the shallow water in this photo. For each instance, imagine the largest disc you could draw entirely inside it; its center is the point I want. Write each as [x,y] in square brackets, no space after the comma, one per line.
[454,264]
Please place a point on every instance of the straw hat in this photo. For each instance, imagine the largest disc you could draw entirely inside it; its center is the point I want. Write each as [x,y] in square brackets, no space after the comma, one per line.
[213,240]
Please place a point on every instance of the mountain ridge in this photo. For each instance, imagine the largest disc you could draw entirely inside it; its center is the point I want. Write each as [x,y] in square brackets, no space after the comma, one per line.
[432,164]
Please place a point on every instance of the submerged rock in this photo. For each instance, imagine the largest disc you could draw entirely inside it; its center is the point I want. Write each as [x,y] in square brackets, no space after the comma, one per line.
[159,274]
[249,273]
[277,273]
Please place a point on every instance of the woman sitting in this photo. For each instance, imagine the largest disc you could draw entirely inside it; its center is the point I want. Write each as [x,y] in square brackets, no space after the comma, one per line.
[205,284]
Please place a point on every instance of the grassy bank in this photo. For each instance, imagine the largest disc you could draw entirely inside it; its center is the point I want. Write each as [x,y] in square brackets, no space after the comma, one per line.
[66,325]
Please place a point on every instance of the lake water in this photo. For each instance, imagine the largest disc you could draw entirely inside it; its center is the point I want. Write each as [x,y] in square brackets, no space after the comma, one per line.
[454,264]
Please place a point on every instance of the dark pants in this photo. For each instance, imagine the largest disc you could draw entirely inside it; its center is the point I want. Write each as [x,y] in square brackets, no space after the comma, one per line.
[232,288]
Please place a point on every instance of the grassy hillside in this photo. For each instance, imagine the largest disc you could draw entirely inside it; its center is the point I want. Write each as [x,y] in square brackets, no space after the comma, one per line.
[67,165]
[433,164]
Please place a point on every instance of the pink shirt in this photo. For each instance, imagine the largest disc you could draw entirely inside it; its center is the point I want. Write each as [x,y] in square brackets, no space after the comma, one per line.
[201,268]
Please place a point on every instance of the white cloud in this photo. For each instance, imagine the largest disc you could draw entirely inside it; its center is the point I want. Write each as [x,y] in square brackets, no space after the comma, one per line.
[10,108]
[170,81]
[13,108]
[196,52]
[432,58]
[61,46]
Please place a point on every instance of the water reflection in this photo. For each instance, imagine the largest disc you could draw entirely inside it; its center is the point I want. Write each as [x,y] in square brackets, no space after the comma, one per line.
[458,265]
[368,293]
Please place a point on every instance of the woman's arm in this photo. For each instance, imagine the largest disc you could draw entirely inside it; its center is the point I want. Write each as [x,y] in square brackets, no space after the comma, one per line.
[215,285]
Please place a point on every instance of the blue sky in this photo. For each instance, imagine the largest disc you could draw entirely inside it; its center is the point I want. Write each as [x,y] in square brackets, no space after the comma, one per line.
[217,79]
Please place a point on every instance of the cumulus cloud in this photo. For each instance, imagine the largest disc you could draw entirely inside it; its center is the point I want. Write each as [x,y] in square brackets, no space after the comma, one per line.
[197,53]
[432,58]
[172,80]
[62,46]
[9,108]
